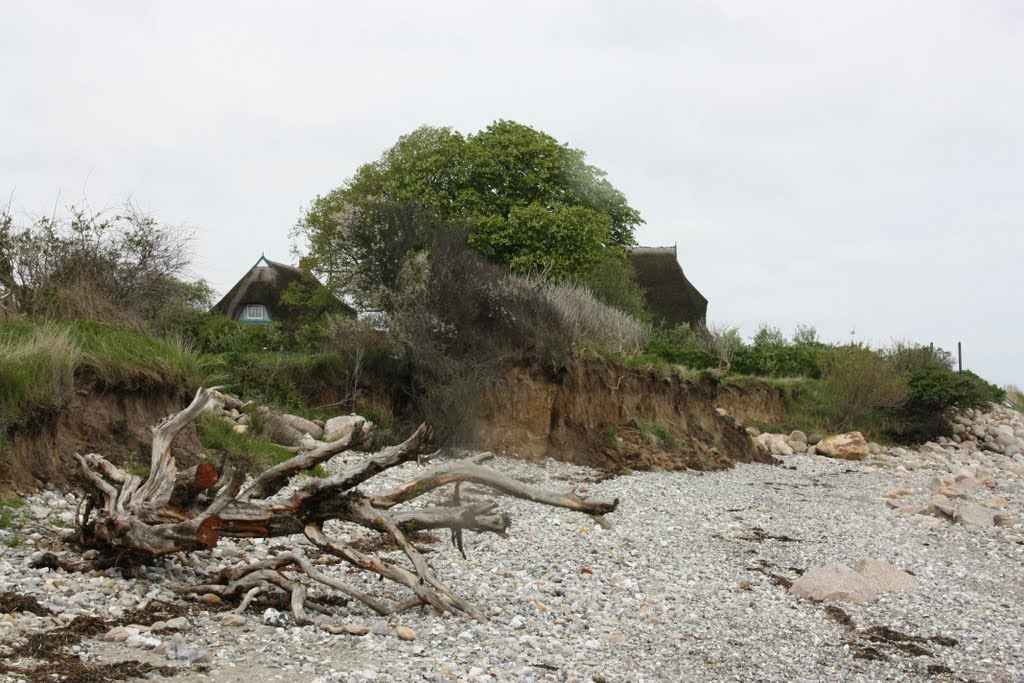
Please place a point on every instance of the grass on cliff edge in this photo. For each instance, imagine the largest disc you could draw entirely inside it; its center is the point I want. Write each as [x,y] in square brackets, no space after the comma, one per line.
[245,451]
[40,361]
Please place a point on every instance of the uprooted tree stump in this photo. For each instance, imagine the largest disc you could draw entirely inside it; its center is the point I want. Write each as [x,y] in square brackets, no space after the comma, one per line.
[126,516]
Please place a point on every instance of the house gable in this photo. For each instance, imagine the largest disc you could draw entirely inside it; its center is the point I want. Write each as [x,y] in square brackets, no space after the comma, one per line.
[668,294]
[256,298]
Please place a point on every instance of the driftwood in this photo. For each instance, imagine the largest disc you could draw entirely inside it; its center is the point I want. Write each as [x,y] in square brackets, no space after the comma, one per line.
[130,517]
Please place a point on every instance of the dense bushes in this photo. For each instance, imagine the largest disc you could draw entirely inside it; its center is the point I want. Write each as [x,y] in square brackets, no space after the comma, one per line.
[906,392]
[118,267]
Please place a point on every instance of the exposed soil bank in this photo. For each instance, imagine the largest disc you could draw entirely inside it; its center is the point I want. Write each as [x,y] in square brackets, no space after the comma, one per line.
[593,413]
[114,423]
[753,402]
[604,415]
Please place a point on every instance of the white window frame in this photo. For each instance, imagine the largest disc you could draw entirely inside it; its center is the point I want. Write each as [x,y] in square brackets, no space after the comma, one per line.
[249,308]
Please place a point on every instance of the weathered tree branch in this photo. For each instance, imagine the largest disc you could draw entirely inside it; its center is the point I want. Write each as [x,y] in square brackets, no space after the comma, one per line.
[170,511]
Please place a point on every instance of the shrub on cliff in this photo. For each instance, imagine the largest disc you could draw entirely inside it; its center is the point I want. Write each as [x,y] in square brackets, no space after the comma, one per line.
[120,267]
[858,383]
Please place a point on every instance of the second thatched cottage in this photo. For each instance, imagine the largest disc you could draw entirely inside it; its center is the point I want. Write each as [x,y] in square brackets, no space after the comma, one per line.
[669,296]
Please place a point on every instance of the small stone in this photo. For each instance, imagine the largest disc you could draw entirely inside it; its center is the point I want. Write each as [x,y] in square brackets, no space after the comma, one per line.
[897,493]
[178,624]
[405,633]
[143,642]
[210,599]
[271,617]
[232,619]
[118,634]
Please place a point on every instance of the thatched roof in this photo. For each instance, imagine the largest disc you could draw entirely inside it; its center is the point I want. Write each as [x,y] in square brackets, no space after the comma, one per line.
[670,297]
[264,284]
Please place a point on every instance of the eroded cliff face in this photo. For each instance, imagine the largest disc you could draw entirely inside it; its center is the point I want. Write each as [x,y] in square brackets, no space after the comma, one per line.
[604,415]
[753,402]
[113,423]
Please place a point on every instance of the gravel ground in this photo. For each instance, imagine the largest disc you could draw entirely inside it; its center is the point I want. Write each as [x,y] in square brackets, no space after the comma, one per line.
[689,584]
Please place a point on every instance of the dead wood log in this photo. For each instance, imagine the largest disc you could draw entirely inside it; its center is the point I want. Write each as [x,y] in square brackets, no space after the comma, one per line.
[170,511]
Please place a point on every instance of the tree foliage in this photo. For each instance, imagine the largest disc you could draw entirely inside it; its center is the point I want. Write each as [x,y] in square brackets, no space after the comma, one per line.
[531,204]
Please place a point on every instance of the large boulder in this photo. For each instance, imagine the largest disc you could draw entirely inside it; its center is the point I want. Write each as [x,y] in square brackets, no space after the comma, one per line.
[884,575]
[341,426]
[848,446]
[777,445]
[303,425]
[834,582]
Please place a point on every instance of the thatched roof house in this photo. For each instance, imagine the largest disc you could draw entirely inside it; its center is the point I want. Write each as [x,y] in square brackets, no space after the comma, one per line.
[256,298]
[670,297]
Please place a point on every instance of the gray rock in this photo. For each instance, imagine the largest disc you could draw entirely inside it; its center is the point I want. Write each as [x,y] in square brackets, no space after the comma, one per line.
[178,624]
[834,582]
[271,617]
[303,425]
[973,514]
[1006,440]
[339,427]
[814,439]
[118,634]
[143,642]
[797,435]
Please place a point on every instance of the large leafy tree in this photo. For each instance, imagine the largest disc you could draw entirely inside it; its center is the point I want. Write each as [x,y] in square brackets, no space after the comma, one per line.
[531,204]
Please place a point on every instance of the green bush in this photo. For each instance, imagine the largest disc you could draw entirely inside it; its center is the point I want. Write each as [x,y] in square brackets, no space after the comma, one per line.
[934,394]
[859,383]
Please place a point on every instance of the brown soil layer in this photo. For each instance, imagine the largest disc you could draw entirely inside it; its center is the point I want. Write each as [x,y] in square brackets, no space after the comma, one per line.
[753,402]
[600,414]
[114,423]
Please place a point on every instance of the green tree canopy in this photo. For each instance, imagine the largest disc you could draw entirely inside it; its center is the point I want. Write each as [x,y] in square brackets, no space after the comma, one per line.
[531,204]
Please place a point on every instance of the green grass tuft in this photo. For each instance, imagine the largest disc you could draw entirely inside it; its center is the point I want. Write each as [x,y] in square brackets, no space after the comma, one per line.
[245,451]
[40,361]
[656,433]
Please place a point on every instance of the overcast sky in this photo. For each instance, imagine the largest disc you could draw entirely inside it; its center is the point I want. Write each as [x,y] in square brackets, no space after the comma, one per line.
[857,166]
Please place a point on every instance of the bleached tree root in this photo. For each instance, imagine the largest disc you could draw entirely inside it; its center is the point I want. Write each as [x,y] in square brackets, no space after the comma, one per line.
[171,511]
